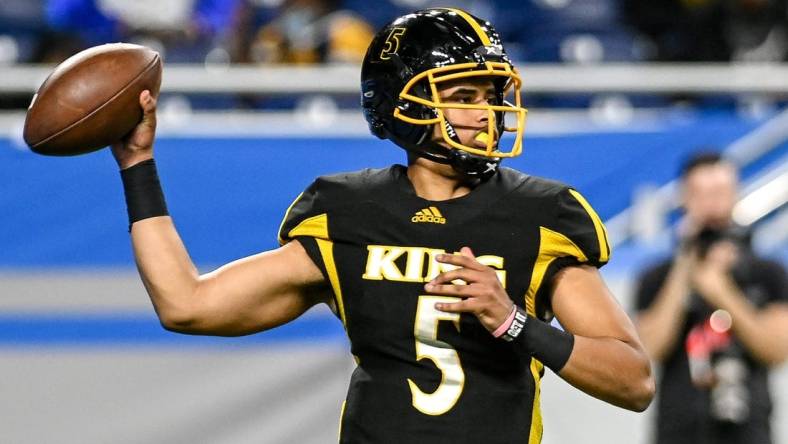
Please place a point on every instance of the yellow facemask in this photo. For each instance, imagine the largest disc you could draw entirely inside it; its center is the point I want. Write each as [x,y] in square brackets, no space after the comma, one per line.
[491,138]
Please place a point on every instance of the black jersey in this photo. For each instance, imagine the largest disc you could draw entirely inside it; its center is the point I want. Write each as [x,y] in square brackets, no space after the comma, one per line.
[426,376]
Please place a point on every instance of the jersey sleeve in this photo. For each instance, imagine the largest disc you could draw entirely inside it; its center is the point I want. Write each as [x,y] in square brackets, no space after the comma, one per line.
[573,235]
[577,234]
[306,220]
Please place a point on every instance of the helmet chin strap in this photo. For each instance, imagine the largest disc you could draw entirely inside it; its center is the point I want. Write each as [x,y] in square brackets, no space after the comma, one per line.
[467,164]
[473,166]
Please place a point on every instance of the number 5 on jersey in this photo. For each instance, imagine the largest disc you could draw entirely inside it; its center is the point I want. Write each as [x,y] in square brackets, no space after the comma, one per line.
[441,353]
[392,43]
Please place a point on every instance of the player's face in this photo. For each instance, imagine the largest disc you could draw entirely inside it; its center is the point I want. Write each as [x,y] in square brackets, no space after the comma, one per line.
[470,124]
[710,195]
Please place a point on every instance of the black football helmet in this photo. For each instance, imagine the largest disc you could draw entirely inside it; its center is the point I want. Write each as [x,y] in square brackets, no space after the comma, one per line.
[402,69]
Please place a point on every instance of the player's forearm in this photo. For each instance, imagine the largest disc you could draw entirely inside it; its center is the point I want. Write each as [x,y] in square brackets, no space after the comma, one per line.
[166,269]
[660,325]
[163,262]
[611,370]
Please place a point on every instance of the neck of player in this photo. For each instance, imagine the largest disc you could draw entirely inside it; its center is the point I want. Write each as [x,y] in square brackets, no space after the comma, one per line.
[436,181]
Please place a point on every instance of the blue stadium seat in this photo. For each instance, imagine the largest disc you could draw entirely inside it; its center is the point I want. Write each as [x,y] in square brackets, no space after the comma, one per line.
[377,13]
[23,20]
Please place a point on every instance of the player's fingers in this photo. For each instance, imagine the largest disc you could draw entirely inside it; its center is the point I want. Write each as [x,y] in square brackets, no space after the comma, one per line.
[460,261]
[465,274]
[462,291]
[147,102]
[465,306]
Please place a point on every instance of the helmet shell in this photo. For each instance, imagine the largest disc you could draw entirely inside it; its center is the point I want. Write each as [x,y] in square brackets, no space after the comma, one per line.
[408,46]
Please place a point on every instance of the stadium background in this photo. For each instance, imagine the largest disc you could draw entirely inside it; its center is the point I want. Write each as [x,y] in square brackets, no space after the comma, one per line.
[243,131]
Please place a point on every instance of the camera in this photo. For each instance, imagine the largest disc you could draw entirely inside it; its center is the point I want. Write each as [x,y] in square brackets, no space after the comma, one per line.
[709,236]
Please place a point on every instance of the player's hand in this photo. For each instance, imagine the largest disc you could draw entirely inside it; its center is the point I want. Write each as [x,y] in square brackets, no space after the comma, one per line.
[483,295]
[137,145]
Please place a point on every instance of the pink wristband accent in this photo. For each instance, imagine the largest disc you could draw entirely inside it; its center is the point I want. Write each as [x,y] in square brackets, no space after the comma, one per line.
[506,324]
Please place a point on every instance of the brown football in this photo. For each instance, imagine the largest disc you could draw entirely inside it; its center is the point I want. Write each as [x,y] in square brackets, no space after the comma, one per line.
[91,100]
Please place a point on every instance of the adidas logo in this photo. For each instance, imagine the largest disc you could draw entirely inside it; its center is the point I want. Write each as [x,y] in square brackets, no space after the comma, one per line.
[431,215]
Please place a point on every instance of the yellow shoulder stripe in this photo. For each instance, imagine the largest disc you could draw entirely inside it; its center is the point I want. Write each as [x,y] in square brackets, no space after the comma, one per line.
[327,253]
[552,245]
[315,226]
[474,24]
[601,232]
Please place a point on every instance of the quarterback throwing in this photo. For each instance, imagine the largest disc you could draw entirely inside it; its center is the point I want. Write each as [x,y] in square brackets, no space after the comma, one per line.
[445,272]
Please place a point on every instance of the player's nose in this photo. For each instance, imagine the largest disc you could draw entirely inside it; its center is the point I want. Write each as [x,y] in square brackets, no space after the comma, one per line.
[483,115]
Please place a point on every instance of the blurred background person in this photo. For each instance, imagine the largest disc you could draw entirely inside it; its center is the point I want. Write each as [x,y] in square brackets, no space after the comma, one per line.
[715,316]
[311,31]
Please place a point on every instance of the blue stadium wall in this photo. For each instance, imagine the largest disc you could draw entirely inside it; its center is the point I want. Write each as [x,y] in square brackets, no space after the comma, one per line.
[228,195]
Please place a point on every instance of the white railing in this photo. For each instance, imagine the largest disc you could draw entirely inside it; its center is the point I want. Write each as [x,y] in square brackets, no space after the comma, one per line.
[537,78]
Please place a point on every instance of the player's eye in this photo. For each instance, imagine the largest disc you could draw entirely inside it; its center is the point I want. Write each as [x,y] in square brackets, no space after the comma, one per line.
[469,97]
[461,98]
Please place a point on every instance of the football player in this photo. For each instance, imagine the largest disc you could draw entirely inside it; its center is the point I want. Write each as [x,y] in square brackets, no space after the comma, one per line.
[445,273]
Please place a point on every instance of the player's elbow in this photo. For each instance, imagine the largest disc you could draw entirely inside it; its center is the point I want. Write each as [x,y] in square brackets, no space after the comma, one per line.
[181,315]
[641,389]
[187,310]
[643,396]
[178,320]
[201,315]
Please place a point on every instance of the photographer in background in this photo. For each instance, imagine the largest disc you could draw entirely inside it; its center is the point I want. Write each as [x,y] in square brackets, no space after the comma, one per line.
[715,316]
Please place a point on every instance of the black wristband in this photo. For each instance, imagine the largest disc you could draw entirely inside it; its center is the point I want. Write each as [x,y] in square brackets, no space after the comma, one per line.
[533,337]
[144,198]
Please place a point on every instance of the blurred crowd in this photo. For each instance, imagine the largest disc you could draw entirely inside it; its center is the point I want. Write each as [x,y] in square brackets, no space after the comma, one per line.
[222,32]
[324,31]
